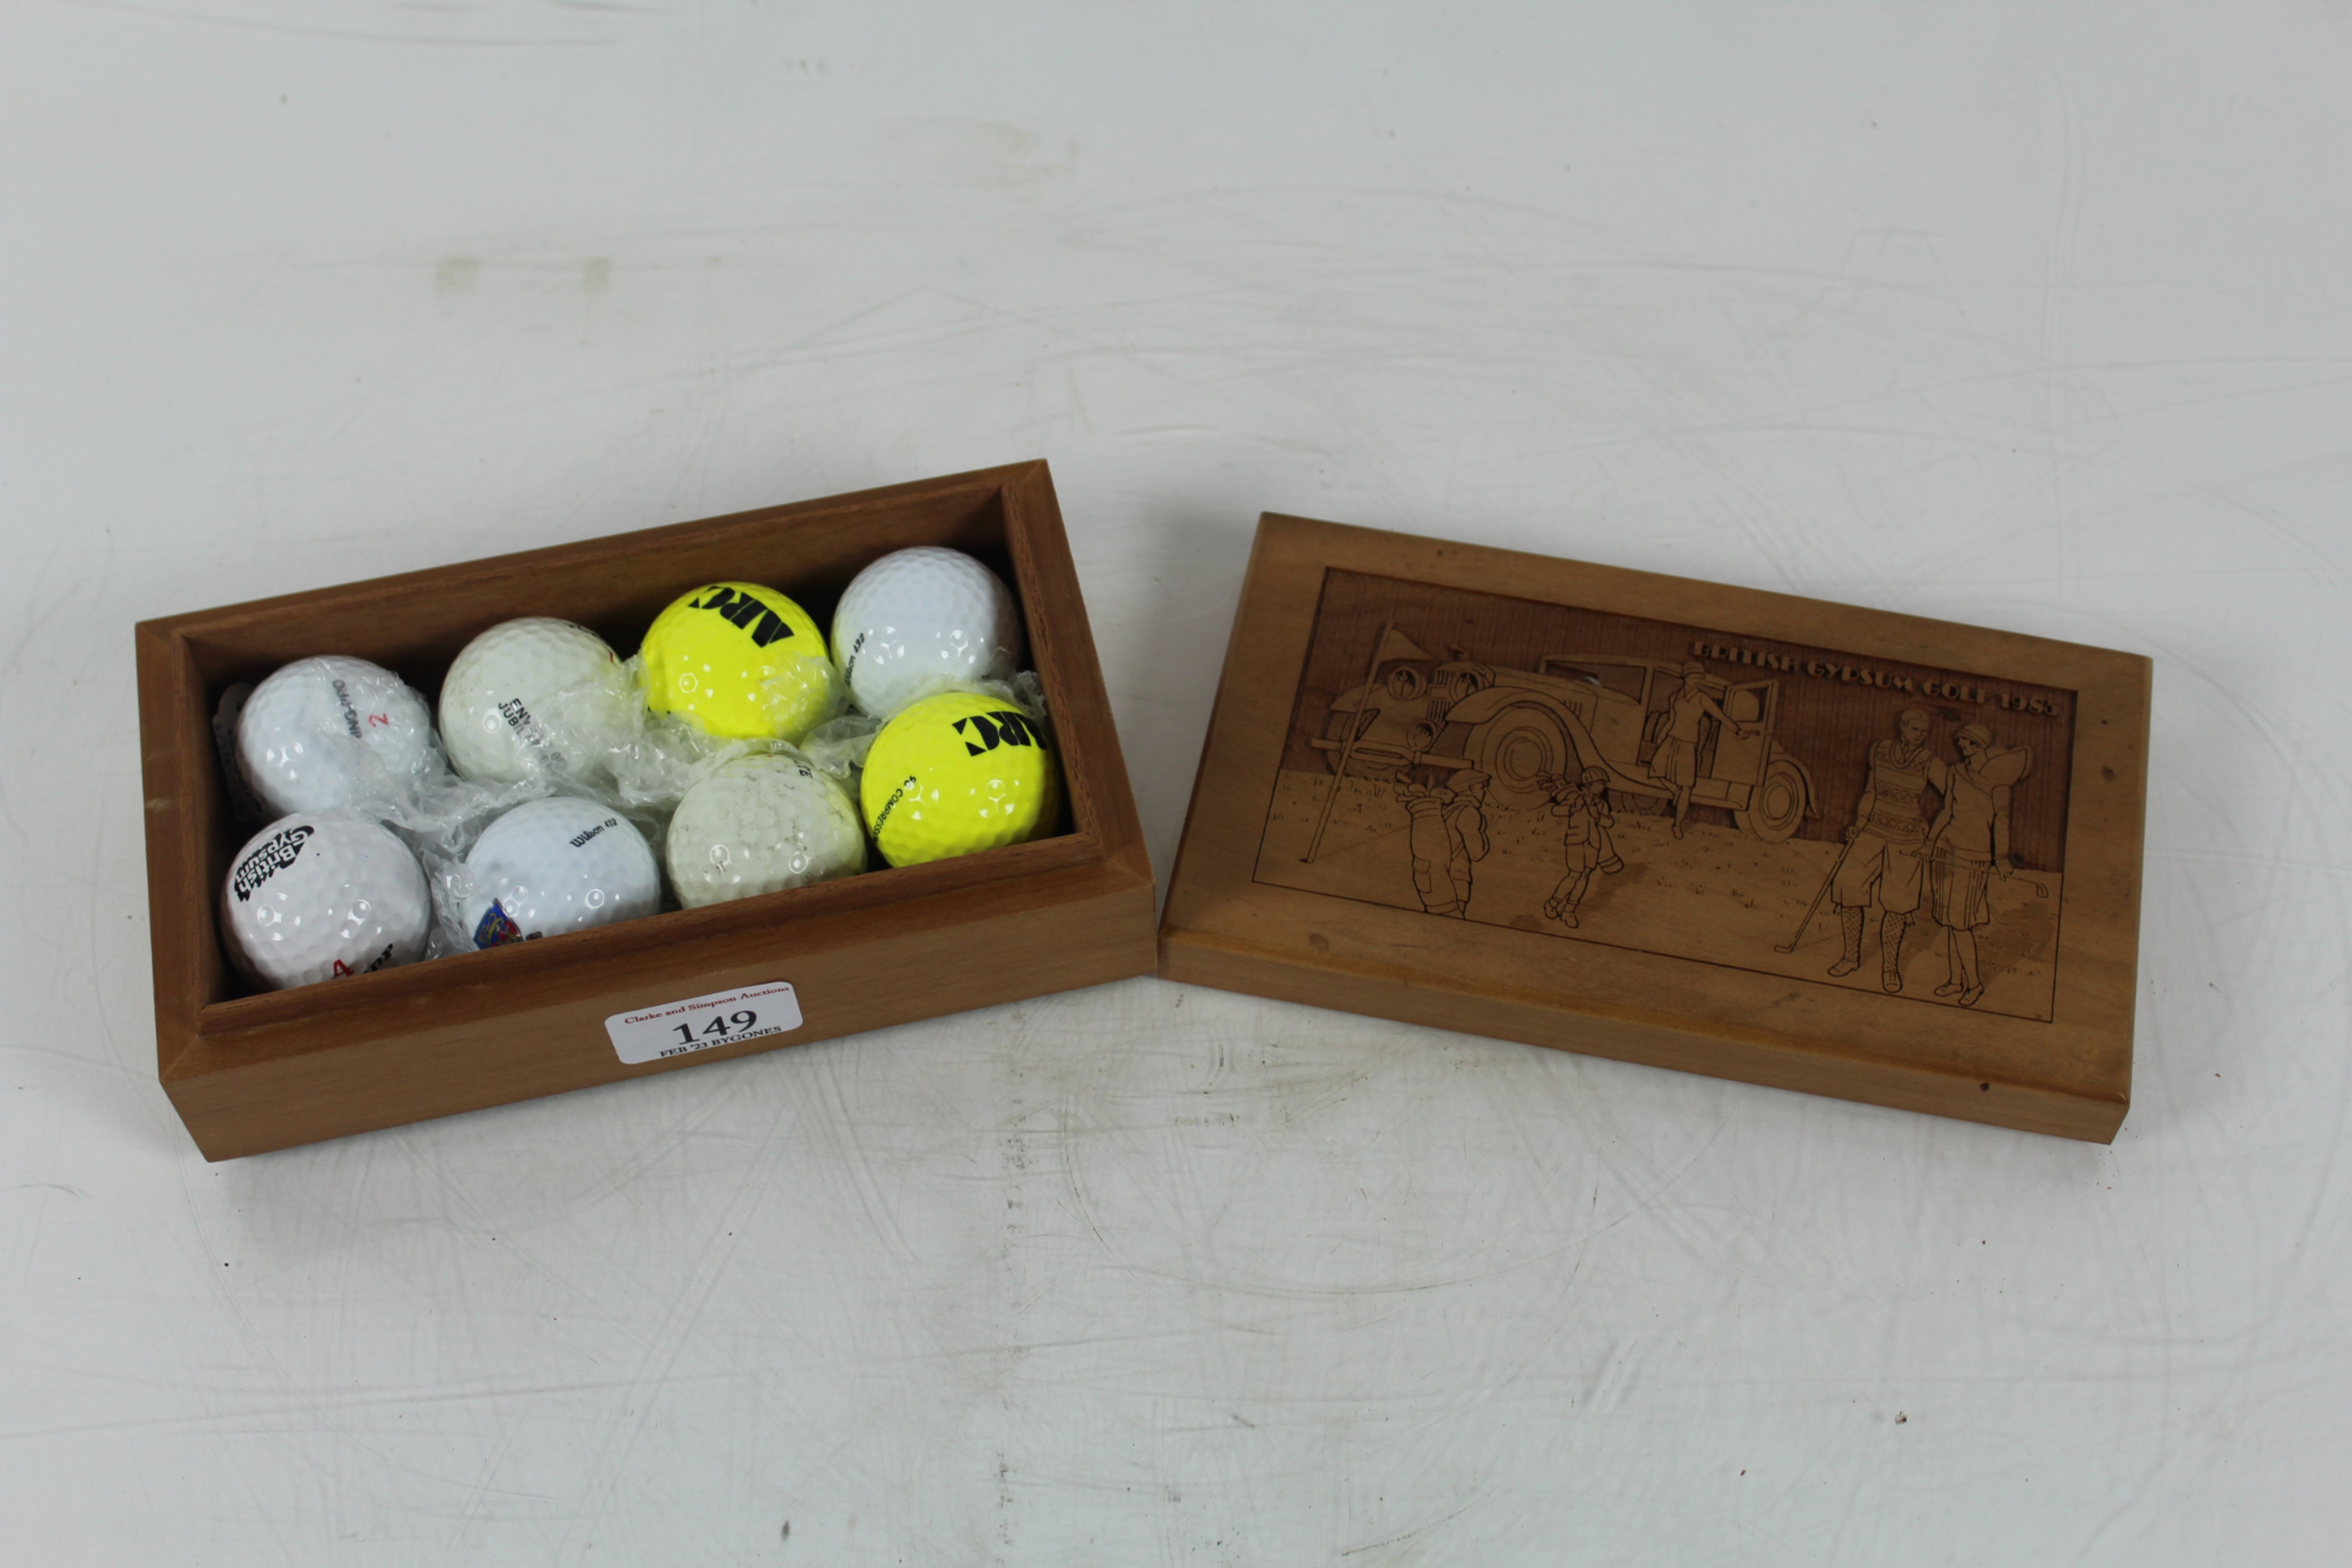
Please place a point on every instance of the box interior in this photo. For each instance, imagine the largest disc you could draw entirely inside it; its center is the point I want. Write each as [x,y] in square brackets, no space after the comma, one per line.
[416,624]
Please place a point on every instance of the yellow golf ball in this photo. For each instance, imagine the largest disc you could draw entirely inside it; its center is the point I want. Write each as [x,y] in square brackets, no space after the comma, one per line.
[743,661]
[955,773]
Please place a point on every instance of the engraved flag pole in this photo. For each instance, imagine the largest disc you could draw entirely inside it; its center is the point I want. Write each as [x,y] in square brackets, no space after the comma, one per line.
[1393,644]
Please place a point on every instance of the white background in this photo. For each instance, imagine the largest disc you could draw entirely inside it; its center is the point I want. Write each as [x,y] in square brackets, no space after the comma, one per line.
[2030,315]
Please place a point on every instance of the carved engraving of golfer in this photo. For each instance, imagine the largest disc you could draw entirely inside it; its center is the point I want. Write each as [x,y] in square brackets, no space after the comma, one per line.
[1446,835]
[1585,836]
[1884,846]
[1967,846]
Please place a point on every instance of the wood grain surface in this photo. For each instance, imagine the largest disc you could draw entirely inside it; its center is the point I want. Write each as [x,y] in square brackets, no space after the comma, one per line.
[1267,897]
[253,1072]
[2006,314]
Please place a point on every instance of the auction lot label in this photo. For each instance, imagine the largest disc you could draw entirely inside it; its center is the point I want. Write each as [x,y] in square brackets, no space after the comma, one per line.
[704,1023]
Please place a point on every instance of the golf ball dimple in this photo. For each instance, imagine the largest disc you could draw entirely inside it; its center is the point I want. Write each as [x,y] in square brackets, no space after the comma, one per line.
[918,621]
[741,660]
[534,695]
[759,825]
[955,773]
[557,865]
[316,895]
[327,732]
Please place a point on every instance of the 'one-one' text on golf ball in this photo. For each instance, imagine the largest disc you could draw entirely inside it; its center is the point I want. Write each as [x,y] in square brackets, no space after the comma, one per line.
[325,732]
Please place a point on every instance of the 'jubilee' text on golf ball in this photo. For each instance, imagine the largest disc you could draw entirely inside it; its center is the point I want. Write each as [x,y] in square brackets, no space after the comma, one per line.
[531,695]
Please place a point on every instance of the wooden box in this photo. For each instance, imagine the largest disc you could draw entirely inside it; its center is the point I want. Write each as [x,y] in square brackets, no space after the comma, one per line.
[250,1072]
[1738,833]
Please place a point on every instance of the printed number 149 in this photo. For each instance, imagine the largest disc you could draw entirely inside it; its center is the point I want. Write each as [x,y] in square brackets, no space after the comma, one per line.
[720,1026]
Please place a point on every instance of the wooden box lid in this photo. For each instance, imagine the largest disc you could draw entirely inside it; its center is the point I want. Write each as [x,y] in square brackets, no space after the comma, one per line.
[1764,837]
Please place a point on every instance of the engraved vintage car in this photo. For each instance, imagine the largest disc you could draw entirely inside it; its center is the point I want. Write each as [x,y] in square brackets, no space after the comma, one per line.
[1572,711]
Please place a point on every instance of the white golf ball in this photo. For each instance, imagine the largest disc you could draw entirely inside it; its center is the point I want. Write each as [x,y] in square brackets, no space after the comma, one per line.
[923,621]
[319,894]
[322,733]
[557,865]
[758,825]
[534,695]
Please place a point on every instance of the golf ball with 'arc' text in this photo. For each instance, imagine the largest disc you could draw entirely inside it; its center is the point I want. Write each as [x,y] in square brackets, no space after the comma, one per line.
[317,895]
[558,865]
[759,825]
[920,621]
[956,774]
[743,661]
[333,731]
[534,695]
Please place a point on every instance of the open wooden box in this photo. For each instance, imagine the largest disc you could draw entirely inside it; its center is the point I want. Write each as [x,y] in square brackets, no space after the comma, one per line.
[253,1072]
[1372,828]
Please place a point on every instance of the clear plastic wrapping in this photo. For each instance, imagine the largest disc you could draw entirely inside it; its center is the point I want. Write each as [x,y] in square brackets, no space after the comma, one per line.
[303,741]
[542,709]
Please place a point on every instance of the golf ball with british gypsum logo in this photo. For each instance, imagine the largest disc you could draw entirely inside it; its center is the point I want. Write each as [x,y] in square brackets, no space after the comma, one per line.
[317,895]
